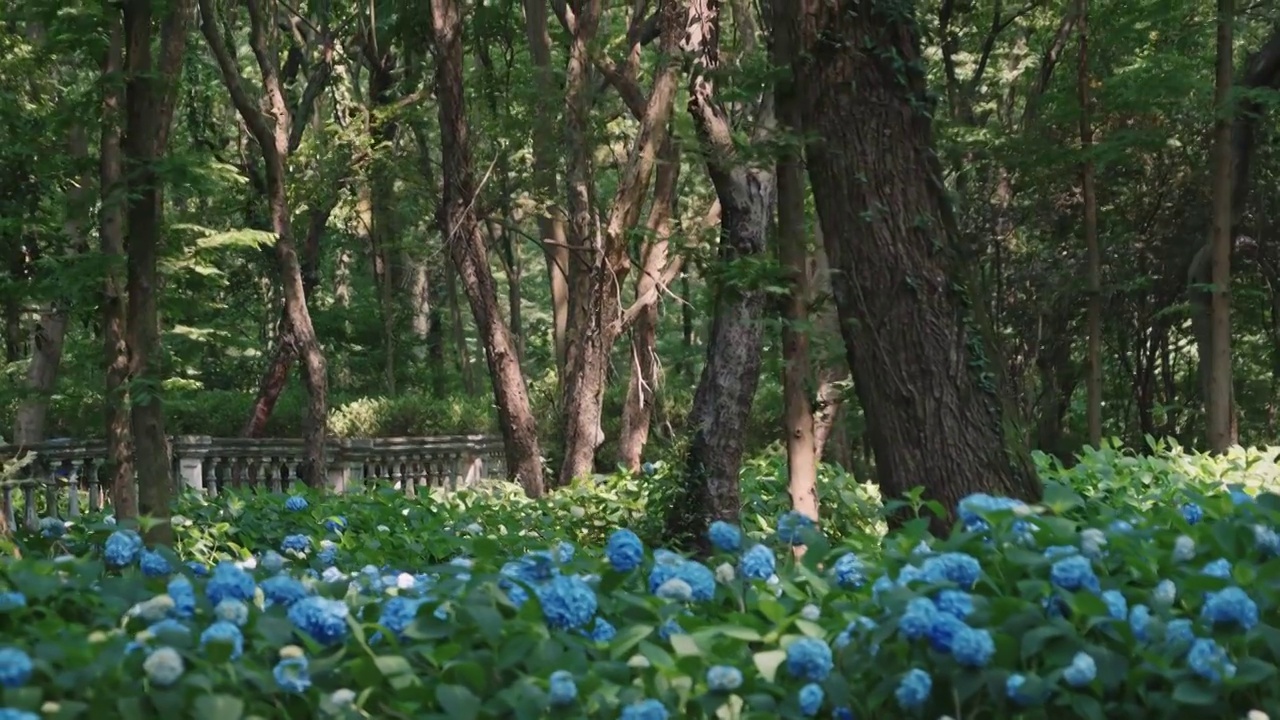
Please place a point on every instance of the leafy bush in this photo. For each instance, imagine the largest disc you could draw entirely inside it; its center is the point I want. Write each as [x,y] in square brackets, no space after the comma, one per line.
[1154,597]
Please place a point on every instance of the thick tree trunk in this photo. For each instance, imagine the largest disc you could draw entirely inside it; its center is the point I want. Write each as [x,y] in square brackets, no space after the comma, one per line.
[124,488]
[466,245]
[1218,393]
[922,354]
[722,402]
[793,255]
[551,226]
[637,411]
[150,96]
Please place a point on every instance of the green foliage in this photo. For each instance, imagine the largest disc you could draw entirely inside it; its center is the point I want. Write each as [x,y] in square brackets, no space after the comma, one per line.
[471,646]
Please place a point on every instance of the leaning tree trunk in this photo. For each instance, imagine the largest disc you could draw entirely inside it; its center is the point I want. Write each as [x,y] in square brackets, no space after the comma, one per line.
[722,402]
[466,245]
[922,354]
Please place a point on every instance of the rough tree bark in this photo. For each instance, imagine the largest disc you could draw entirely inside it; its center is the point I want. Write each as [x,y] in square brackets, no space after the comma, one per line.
[150,98]
[727,386]
[551,225]
[276,138]
[461,232]
[599,261]
[1218,395]
[124,490]
[793,255]
[922,354]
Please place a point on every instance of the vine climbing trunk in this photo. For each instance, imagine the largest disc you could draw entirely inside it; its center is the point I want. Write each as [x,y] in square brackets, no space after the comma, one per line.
[922,354]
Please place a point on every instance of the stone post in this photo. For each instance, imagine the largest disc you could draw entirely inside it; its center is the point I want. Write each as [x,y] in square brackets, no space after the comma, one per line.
[189,452]
[346,468]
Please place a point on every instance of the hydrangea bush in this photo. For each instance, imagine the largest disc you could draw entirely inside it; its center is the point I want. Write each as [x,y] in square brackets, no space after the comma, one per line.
[1160,602]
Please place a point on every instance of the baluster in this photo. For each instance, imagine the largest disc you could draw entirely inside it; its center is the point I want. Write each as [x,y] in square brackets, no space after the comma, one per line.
[6,505]
[29,515]
[73,484]
[50,480]
[410,476]
[277,470]
[399,476]
[93,475]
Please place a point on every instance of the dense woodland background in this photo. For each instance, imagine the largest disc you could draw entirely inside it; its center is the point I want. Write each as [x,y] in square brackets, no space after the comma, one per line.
[581,224]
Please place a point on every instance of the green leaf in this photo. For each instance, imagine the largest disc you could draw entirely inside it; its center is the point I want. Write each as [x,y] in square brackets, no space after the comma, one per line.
[392,665]
[685,646]
[768,661]
[219,707]
[458,702]
[1033,642]
[1190,692]
[628,638]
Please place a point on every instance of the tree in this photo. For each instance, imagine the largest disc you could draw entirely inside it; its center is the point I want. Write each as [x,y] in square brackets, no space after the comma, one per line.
[1093,355]
[1218,397]
[150,97]
[276,138]
[916,334]
[467,248]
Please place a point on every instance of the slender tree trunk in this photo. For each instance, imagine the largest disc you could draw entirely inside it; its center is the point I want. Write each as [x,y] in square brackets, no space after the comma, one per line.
[150,95]
[551,226]
[1218,399]
[793,255]
[833,369]
[457,325]
[921,349]
[601,263]
[466,245]
[637,411]
[124,488]
[722,402]
[1093,355]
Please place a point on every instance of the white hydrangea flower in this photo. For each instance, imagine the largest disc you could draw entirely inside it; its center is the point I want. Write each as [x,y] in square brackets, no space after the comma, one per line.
[164,666]
[342,697]
[291,651]
[811,612]
[675,589]
[725,573]
[1184,548]
[638,662]
[153,610]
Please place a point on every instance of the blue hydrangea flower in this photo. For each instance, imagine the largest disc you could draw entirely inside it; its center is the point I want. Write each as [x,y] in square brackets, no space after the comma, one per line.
[229,582]
[791,527]
[972,508]
[292,674]
[724,678]
[1092,543]
[52,527]
[563,690]
[669,628]
[1081,671]
[1220,568]
[1121,527]
[603,630]
[1117,606]
[183,594]
[398,612]
[973,647]
[1073,574]
[918,619]
[624,550]
[1230,605]
[153,564]
[296,542]
[1053,552]
[232,611]
[1184,548]
[844,712]
[567,602]
[725,537]
[1240,497]
[675,589]
[1140,622]
[758,563]
[336,523]
[959,568]
[954,602]
[913,690]
[283,590]
[12,714]
[811,697]
[649,709]
[295,503]
[323,619]
[943,631]
[648,468]
[328,554]
[122,548]
[10,601]
[1209,660]
[849,572]
[1165,593]
[198,569]
[1179,633]
[272,561]
[700,579]
[163,666]
[1192,512]
[169,627]
[809,659]
[15,667]
[223,632]
[1013,689]
[1266,540]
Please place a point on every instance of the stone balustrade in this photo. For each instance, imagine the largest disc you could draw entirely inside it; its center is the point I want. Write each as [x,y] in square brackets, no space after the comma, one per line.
[63,477]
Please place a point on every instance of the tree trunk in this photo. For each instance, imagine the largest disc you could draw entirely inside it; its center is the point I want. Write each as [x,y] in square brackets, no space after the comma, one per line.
[833,372]
[1218,396]
[150,96]
[601,262]
[124,488]
[923,356]
[722,402]
[637,411]
[462,236]
[459,333]
[276,139]
[793,255]
[550,220]
[1093,355]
